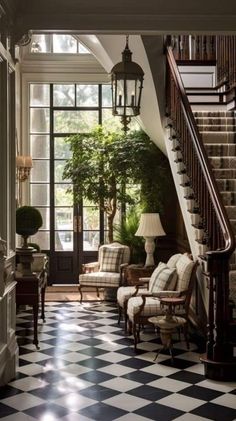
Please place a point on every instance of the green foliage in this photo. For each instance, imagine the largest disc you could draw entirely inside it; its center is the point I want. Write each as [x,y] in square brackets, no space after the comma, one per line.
[28,220]
[125,234]
[104,161]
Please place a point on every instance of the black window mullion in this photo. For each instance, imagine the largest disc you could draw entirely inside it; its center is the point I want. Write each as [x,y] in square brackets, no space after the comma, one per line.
[52,178]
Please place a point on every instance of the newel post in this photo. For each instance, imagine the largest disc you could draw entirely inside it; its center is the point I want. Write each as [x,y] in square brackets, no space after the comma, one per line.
[219,361]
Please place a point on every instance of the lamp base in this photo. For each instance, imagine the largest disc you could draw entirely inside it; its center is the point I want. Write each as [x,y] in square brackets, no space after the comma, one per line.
[149,248]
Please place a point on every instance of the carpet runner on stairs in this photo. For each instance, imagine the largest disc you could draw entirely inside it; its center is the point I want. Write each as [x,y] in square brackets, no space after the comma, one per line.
[218,130]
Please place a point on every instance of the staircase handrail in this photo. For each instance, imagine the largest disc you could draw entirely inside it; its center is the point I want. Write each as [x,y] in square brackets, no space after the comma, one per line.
[204,162]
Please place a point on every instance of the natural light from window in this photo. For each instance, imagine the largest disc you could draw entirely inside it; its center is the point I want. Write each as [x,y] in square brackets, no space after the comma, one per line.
[56,43]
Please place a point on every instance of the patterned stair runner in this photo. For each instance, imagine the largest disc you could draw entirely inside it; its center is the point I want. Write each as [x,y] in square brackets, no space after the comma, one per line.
[218,130]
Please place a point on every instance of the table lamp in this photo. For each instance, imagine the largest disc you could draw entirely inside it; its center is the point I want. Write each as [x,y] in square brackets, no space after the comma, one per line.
[149,228]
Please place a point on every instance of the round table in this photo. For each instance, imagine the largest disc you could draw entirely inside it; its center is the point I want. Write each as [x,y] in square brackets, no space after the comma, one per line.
[167,324]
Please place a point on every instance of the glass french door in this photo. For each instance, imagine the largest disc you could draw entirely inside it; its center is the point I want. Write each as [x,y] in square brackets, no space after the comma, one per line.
[71,233]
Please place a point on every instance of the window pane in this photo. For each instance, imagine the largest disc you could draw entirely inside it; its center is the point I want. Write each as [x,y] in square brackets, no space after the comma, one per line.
[42,239]
[106,96]
[90,218]
[39,194]
[39,94]
[39,120]
[91,240]
[64,241]
[74,121]
[40,43]
[109,120]
[61,148]
[40,171]
[58,171]
[64,95]
[83,49]
[46,217]
[64,44]
[62,196]
[64,218]
[87,95]
[39,146]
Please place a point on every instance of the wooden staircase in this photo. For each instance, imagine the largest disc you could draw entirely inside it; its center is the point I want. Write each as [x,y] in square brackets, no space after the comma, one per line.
[219,137]
[203,146]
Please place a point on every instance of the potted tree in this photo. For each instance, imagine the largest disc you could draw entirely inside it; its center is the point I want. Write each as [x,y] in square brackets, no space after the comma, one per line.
[104,161]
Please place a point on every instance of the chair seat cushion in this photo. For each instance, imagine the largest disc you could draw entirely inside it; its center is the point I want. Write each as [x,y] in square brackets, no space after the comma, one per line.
[152,308]
[124,293]
[100,279]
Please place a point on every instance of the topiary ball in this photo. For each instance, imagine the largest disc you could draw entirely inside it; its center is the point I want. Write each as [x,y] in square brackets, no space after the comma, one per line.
[28,220]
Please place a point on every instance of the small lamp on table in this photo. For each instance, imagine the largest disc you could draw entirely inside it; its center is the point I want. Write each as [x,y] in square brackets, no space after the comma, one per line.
[150,227]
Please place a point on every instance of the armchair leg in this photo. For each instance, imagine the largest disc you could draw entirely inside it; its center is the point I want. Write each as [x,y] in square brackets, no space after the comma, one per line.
[81,294]
[130,327]
[97,289]
[135,336]
[119,313]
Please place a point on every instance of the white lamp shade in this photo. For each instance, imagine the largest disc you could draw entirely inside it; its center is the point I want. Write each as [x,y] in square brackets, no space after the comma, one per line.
[150,226]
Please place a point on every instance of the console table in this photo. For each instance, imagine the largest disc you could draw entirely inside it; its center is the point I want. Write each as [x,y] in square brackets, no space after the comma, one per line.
[28,291]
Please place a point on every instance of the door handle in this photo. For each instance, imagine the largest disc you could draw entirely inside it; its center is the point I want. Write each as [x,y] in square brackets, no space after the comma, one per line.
[75,224]
[79,223]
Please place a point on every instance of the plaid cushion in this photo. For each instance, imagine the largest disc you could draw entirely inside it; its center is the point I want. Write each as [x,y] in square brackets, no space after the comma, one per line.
[155,274]
[173,260]
[100,279]
[164,278]
[184,269]
[111,259]
[124,293]
[151,308]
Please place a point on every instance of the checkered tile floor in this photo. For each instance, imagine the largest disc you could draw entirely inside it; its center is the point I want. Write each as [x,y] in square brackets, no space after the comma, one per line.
[86,370]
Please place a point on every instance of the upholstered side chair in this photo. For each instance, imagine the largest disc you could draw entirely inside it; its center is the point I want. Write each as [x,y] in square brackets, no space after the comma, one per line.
[142,306]
[108,272]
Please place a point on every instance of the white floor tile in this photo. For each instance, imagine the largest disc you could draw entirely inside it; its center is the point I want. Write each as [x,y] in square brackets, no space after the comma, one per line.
[28,383]
[74,357]
[34,357]
[181,402]
[73,346]
[130,417]
[72,385]
[221,387]
[116,370]
[190,356]
[74,401]
[160,370]
[113,357]
[75,417]
[121,384]
[169,384]
[75,370]
[127,402]
[191,417]
[227,399]
[110,346]
[196,368]
[31,369]
[23,401]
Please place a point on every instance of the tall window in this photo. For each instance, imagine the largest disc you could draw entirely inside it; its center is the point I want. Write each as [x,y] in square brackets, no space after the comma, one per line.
[57,111]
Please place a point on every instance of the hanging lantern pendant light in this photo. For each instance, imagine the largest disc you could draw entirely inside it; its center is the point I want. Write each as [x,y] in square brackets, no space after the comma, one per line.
[126,84]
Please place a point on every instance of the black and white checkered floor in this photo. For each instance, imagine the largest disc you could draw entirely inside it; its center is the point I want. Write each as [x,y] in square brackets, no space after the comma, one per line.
[86,370]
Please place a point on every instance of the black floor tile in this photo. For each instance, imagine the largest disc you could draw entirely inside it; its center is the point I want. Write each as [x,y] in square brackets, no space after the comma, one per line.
[158,412]
[215,412]
[102,412]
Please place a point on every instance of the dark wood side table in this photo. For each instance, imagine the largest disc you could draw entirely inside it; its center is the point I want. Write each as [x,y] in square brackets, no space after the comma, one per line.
[27,293]
[135,272]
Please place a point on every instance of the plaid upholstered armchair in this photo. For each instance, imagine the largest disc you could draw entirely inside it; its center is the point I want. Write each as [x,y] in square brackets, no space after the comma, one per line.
[108,272]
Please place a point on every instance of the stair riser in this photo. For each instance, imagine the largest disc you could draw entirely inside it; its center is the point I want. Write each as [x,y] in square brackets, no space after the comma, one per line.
[209,137]
[231,211]
[214,121]
[229,198]
[224,163]
[220,150]
[233,225]
[213,114]
[227,185]
[216,128]
[225,174]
